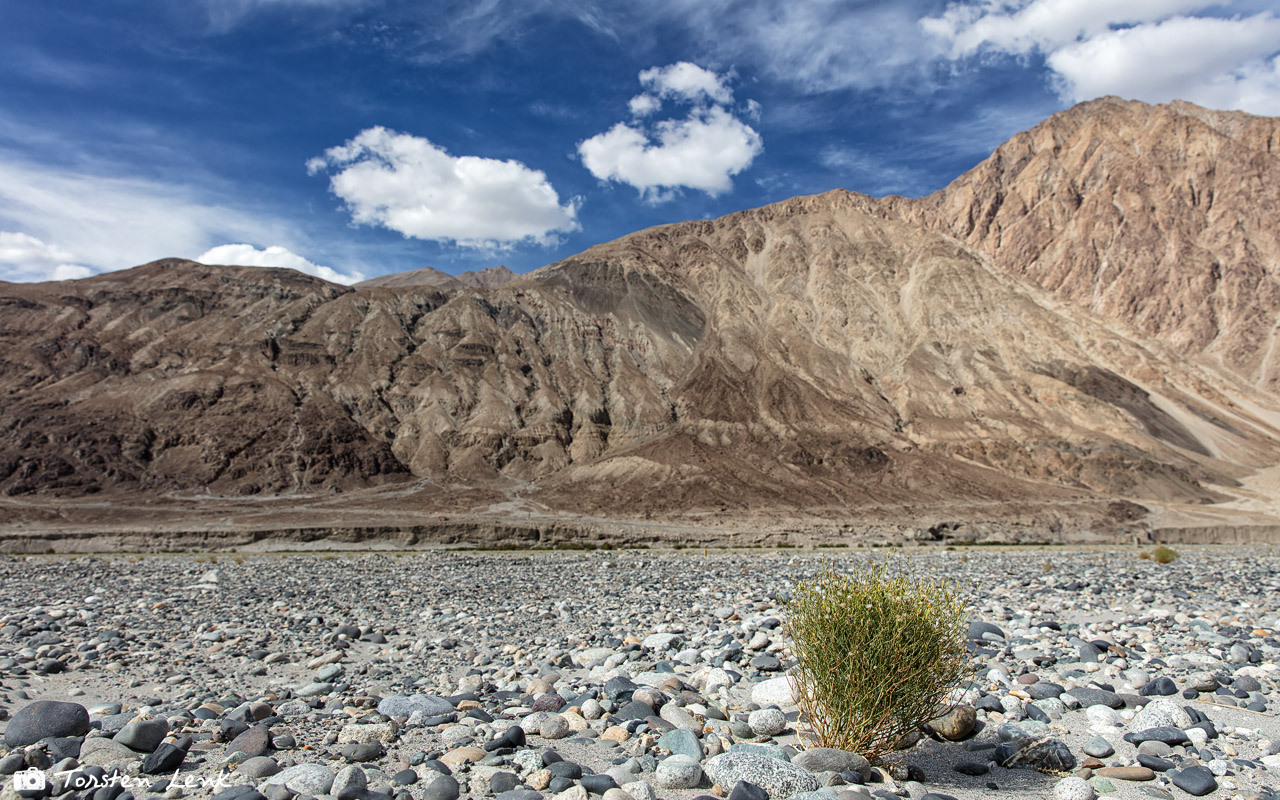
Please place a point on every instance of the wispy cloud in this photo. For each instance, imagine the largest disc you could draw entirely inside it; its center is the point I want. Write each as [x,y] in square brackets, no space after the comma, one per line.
[112,221]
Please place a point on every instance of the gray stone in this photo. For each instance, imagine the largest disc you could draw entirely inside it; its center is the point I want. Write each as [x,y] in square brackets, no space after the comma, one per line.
[677,772]
[554,727]
[1098,748]
[682,742]
[349,780]
[779,778]
[258,767]
[397,706]
[678,717]
[829,759]
[443,787]
[143,735]
[1160,713]
[312,779]
[102,752]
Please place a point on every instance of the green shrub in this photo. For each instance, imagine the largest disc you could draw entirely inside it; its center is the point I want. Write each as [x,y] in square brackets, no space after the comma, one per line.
[1163,555]
[877,655]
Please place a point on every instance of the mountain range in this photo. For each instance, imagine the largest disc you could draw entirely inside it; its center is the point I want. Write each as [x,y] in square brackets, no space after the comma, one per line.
[1074,339]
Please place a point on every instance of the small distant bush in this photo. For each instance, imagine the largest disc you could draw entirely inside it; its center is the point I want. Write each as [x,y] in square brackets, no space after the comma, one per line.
[877,655]
[1163,555]
[1144,555]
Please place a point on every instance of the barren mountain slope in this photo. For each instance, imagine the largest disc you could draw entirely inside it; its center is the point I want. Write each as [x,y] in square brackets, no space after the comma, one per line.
[481,279]
[803,355]
[1165,216]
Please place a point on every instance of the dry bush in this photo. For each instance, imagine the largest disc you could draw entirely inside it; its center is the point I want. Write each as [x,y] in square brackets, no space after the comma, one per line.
[1163,555]
[877,655]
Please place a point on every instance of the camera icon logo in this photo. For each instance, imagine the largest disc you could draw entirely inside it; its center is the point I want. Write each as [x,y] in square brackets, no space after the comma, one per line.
[29,780]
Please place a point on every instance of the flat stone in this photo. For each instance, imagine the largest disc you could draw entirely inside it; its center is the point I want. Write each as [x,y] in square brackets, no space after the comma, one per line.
[1087,696]
[463,755]
[829,759]
[102,752]
[312,779]
[1126,773]
[1166,734]
[397,705]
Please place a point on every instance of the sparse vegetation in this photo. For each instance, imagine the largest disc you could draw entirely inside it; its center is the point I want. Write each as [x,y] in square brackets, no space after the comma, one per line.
[878,651]
[1164,555]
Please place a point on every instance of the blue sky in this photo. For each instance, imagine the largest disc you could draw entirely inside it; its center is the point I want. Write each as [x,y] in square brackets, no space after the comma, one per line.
[351,138]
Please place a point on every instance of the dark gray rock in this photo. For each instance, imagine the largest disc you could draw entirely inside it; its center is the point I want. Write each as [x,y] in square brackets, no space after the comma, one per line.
[45,718]
[1195,781]
[255,741]
[443,788]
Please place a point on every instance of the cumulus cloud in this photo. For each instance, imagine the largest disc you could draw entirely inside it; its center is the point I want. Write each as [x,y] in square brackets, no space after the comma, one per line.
[701,151]
[246,255]
[1152,50]
[686,81]
[644,104]
[410,185]
[26,258]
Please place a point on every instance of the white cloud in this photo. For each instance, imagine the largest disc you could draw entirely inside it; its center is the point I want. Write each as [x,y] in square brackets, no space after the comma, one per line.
[112,222]
[1151,50]
[686,81]
[246,255]
[26,258]
[1214,62]
[643,105]
[702,151]
[409,185]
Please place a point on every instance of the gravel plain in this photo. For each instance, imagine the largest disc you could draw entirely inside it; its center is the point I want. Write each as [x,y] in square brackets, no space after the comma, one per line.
[626,674]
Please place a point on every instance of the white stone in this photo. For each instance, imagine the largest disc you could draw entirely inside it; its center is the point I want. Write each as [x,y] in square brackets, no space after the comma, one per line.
[1073,789]
[773,692]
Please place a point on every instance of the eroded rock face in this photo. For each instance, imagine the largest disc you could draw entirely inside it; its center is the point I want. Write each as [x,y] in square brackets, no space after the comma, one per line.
[1162,216]
[826,351]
